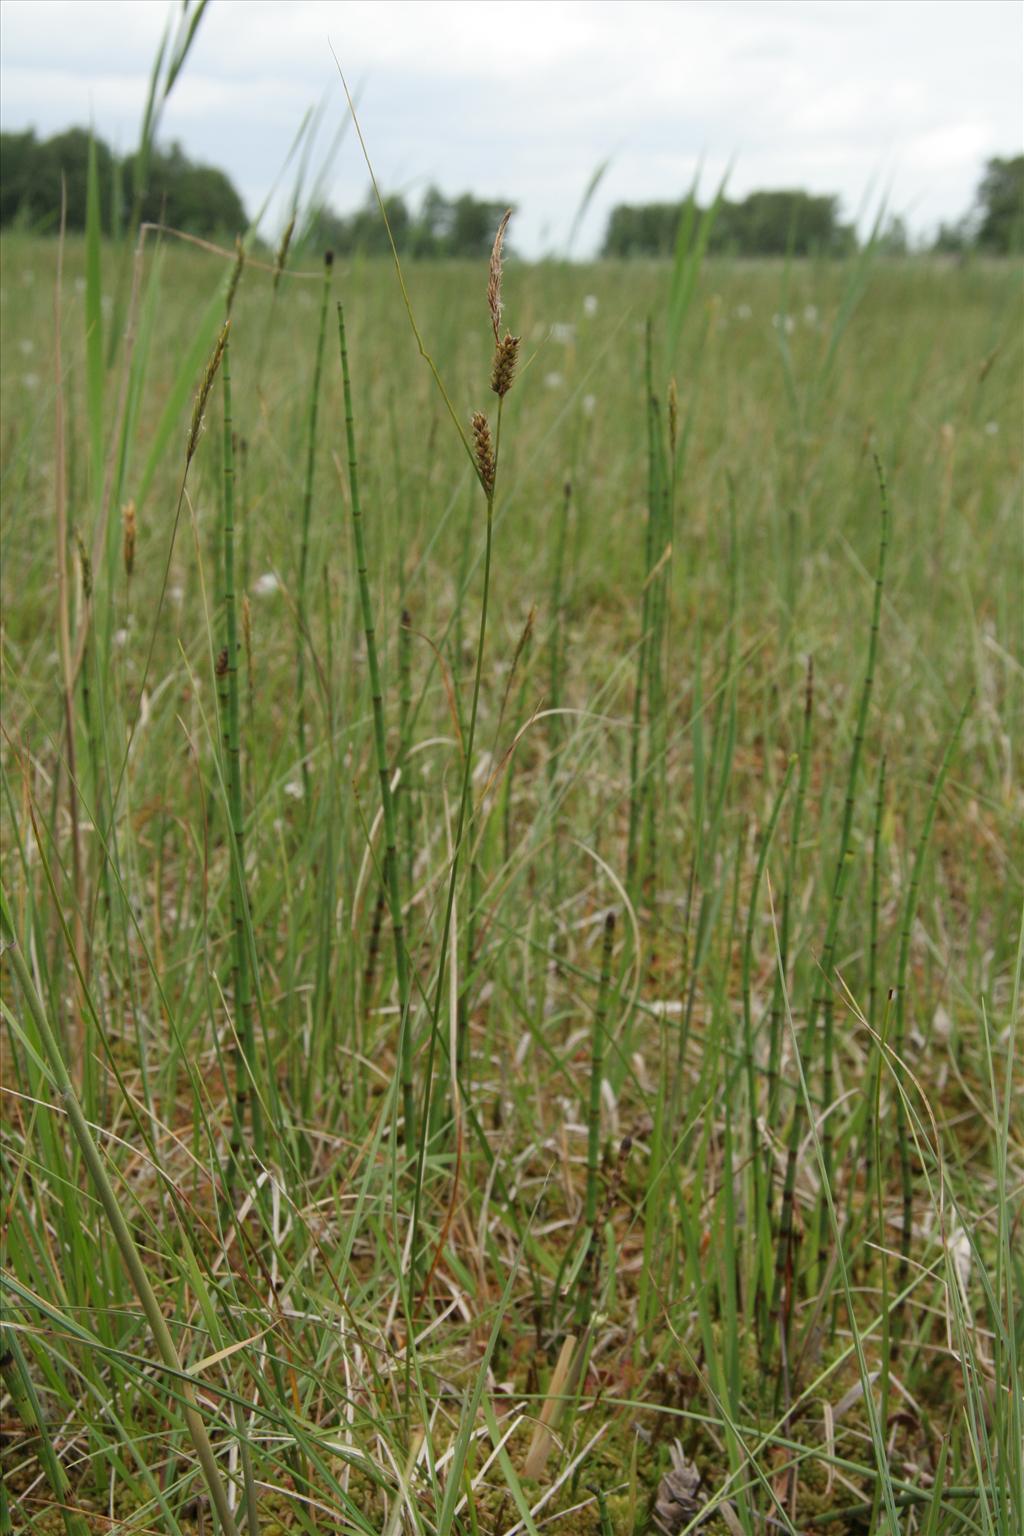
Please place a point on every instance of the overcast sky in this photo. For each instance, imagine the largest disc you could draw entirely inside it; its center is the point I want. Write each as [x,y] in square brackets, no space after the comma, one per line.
[524,98]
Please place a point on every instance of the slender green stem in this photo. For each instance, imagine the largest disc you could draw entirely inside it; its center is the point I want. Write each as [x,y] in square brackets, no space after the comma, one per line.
[909,913]
[460,827]
[405,740]
[245,1062]
[588,1274]
[118,1225]
[843,863]
[748,1020]
[775,1044]
[302,618]
[391,875]
[636,788]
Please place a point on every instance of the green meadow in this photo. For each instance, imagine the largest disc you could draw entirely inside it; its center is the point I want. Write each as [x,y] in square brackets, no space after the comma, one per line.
[512,934]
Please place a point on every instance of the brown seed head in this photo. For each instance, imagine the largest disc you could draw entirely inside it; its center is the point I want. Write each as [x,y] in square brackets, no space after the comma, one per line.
[503,371]
[203,394]
[128,521]
[484,452]
[494,276]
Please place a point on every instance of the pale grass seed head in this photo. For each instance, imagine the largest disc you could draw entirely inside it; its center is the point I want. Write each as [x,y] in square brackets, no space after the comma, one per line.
[506,347]
[494,276]
[282,250]
[203,394]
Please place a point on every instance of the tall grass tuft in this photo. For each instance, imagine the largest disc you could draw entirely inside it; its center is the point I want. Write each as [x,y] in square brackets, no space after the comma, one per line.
[302,616]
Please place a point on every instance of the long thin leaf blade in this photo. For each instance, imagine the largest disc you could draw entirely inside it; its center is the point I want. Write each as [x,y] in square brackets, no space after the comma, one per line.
[94,322]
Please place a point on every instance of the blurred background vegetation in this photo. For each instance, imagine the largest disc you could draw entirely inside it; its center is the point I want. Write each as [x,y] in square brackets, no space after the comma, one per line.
[167,187]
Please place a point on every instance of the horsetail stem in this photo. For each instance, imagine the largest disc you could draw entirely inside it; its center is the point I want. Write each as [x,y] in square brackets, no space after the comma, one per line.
[556,728]
[775,1043]
[843,863]
[870,1130]
[748,956]
[245,1057]
[588,1274]
[405,739]
[876,881]
[636,788]
[380,743]
[909,912]
[302,625]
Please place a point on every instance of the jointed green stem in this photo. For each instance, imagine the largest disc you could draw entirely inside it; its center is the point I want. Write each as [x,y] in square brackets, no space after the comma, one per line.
[380,741]
[748,1021]
[245,1063]
[788,896]
[307,505]
[843,863]
[589,1271]
[909,912]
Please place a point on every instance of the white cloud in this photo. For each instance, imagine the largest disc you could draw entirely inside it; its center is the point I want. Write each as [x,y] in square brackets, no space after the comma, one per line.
[522,99]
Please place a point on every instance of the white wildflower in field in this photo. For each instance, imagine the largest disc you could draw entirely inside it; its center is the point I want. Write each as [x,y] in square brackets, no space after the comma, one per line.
[26,346]
[554,380]
[79,284]
[960,1253]
[590,305]
[120,639]
[810,314]
[784,323]
[743,311]
[30,380]
[589,404]
[176,595]
[562,331]
[265,585]
[942,1024]
[293,789]
[991,429]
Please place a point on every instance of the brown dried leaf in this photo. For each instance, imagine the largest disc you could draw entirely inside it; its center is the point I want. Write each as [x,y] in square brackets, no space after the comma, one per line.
[679,1495]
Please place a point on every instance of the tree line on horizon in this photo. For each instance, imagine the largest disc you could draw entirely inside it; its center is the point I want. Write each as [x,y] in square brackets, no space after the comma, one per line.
[174,190]
[202,200]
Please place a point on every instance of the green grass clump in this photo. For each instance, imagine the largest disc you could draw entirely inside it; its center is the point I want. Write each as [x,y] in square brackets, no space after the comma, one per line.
[335,1103]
